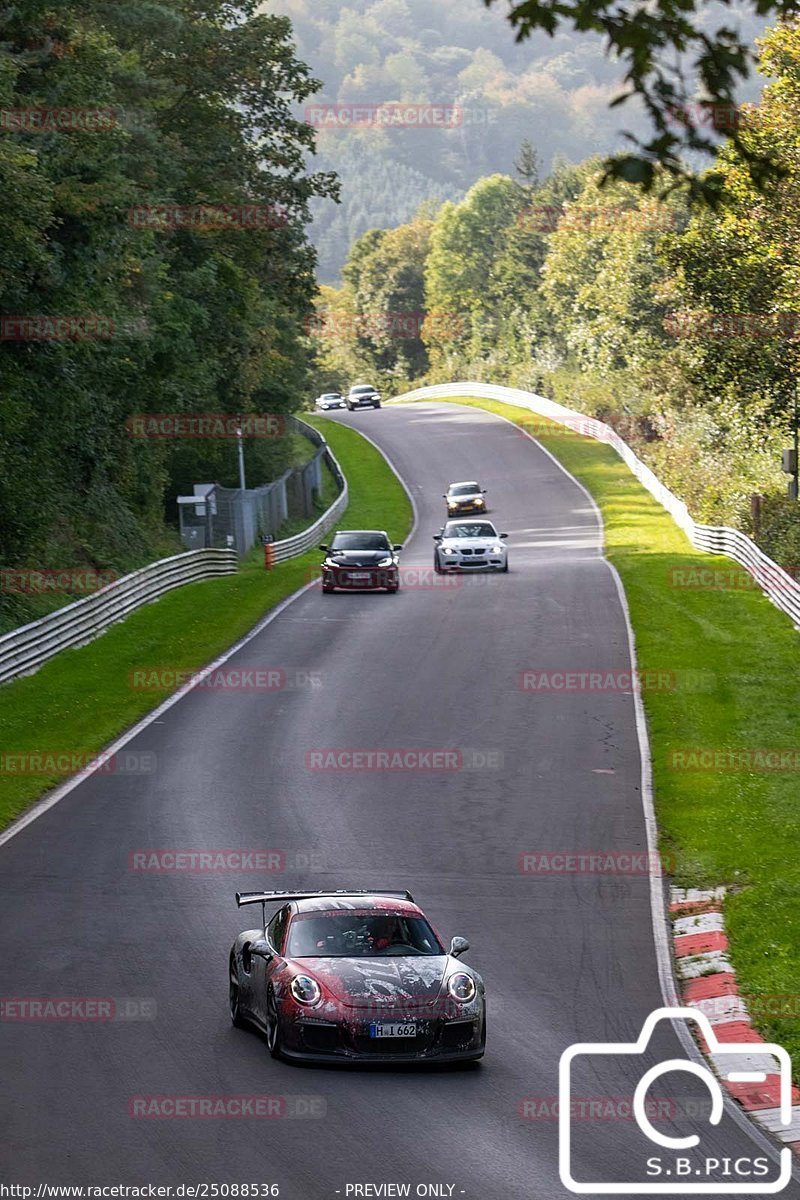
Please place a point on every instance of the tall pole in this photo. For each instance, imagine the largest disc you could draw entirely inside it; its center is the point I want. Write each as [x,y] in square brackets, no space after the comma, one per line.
[240,447]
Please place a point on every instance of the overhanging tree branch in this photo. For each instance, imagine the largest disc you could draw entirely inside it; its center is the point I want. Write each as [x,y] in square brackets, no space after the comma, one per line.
[644,36]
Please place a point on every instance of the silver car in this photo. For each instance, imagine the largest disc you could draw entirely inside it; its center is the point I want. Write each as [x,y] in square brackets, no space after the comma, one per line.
[329,400]
[470,545]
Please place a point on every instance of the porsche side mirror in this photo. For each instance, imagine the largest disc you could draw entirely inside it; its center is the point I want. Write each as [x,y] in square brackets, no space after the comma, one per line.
[458,946]
[323,547]
[397,548]
[262,949]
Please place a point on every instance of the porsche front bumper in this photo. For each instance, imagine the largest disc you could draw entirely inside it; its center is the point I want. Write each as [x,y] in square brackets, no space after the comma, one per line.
[437,1040]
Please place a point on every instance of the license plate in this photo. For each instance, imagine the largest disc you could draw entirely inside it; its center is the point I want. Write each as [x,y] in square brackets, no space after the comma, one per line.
[359,575]
[383,1029]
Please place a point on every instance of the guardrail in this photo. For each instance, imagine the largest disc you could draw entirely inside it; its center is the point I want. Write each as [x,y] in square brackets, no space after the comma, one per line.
[23,650]
[777,584]
[291,547]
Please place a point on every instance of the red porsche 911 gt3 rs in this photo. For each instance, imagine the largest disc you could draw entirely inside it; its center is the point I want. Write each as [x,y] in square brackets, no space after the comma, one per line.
[355,976]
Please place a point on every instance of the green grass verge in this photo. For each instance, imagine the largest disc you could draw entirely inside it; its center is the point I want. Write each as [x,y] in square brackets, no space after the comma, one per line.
[736,660]
[82,699]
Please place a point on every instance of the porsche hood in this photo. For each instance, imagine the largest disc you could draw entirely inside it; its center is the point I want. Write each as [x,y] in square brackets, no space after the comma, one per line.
[401,982]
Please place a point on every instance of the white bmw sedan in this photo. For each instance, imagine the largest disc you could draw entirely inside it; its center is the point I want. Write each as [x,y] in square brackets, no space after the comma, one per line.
[470,546]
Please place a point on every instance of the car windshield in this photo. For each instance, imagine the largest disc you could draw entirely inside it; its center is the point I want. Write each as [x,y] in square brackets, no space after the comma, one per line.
[363,388]
[330,396]
[464,489]
[360,541]
[469,529]
[360,935]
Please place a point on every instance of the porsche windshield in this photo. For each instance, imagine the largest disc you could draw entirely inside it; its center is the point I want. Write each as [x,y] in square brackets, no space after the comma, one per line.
[360,541]
[464,489]
[360,935]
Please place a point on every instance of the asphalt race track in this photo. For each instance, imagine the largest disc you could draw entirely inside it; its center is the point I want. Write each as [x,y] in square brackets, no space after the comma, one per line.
[566,957]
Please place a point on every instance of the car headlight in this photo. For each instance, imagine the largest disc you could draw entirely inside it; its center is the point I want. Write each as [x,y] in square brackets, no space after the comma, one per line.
[305,990]
[462,987]
[386,562]
[479,500]
[496,550]
[449,550]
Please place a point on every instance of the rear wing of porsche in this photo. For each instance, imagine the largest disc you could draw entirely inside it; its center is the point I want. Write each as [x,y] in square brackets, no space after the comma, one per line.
[265,898]
[243,898]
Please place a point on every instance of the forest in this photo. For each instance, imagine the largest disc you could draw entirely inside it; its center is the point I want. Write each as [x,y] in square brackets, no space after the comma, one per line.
[554,91]
[154,259]
[677,324]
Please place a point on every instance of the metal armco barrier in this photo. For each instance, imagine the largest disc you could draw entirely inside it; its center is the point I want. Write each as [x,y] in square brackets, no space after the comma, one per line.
[308,539]
[777,584]
[23,650]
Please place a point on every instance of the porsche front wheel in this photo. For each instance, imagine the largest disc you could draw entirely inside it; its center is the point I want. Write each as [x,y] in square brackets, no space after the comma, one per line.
[273,1026]
[233,997]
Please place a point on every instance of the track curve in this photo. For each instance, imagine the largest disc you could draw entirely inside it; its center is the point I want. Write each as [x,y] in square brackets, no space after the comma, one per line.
[565,957]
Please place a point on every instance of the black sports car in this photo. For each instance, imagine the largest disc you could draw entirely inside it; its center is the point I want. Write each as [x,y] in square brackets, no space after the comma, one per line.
[463,498]
[355,976]
[361,560]
[363,395]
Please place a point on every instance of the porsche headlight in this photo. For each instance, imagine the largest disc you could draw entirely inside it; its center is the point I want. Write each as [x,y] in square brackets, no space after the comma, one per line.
[305,990]
[479,500]
[385,562]
[462,987]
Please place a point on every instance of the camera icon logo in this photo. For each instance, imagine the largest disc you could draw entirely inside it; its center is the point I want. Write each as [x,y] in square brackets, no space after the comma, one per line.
[734,1061]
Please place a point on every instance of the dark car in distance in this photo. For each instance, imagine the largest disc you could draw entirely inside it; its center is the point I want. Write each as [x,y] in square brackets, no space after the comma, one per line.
[360,560]
[467,497]
[363,395]
[354,977]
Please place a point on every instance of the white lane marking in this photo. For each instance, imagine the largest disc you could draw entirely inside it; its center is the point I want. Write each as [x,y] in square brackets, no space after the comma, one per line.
[63,789]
